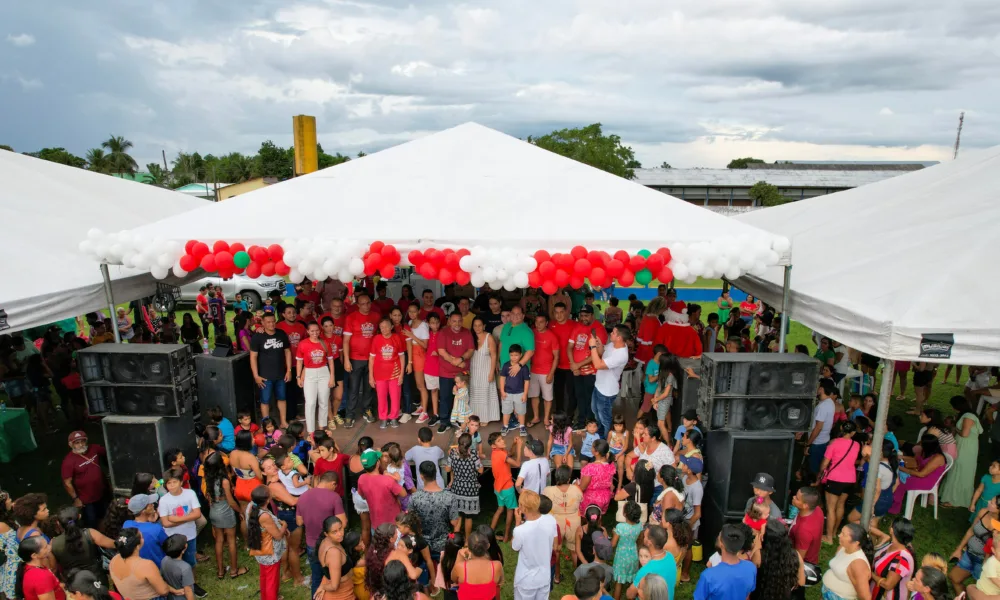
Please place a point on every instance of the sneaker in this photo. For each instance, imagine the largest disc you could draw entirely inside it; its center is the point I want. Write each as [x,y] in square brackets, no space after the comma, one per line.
[433,421]
[370,417]
[349,423]
[417,412]
[383,424]
[442,428]
[423,418]
[394,423]
[504,430]
[523,432]
[339,419]
[199,591]
[405,418]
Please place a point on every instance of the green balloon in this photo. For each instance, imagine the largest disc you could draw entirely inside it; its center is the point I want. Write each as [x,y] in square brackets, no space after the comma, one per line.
[644,253]
[241,259]
[643,277]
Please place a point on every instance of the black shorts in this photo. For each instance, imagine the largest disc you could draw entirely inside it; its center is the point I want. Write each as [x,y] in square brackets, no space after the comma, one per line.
[922,378]
[838,488]
[869,361]
[339,374]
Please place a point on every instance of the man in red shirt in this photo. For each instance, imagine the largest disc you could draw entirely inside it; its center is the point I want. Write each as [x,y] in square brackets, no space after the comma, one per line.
[383,302]
[543,365]
[584,374]
[562,385]
[455,347]
[359,329]
[201,307]
[428,307]
[807,530]
[296,332]
[381,492]
[305,293]
[83,478]
[677,334]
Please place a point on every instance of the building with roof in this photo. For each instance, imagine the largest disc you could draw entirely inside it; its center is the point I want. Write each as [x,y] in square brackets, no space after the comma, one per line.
[236,189]
[728,189]
[202,190]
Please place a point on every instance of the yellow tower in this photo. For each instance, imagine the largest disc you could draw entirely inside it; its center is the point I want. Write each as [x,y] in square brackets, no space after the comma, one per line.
[304,133]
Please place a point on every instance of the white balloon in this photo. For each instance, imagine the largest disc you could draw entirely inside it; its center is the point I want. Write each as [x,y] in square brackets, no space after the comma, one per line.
[295,276]
[746,261]
[710,273]
[696,266]
[772,258]
[468,263]
[509,286]
[305,265]
[286,244]
[319,274]
[86,247]
[690,279]
[680,271]
[528,264]
[721,264]
[179,272]
[344,275]
[477,279]
[315,253]
[165,261]
[781,244]
[503,274]
[159,272]
[356,266]
[732,273]
[490,274]
[330,266]
[521,279]
[128,259]
[95,234]
[174,248]
[510,263]
[101,249]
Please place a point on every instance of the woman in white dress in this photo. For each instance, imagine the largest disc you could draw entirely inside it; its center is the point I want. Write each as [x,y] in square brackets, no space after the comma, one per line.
[482,390]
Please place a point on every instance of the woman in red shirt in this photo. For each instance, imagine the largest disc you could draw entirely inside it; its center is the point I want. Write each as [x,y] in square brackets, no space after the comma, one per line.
[34,580]
[386,365]
[334,340]
[749,308]
[314,366]
[648,328]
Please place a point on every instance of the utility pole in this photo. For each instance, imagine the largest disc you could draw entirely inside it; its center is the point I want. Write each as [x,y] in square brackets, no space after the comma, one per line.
[958,136]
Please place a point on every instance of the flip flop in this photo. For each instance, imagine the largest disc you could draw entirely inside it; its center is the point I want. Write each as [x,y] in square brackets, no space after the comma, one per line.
[241,571]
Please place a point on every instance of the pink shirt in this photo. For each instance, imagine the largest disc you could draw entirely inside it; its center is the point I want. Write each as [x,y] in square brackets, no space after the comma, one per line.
[842,453]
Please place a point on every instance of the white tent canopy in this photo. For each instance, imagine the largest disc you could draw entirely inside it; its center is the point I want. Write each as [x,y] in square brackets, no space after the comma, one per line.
[47,209]
[881,267]
[463,186]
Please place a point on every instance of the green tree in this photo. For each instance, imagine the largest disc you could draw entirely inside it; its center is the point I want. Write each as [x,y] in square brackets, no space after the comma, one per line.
[362,154]
[590,146]
[764,194]
[98,161]
[329,160]
[121,161]
[741,163]
[188,167]
[158,176]
[273,161]
[6,147]
[665,165]
[59,155]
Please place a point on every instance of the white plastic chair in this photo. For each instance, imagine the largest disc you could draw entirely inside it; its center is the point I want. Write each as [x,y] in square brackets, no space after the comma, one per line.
[912,495]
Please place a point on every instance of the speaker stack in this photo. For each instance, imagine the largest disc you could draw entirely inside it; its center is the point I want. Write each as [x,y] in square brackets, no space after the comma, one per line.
[753,405]
[227,382]
[148,396]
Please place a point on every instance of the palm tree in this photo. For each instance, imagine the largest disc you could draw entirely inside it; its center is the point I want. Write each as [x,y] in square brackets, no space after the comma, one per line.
[158,176]
[98,161]
[121,161]
[240,167]
[189,166]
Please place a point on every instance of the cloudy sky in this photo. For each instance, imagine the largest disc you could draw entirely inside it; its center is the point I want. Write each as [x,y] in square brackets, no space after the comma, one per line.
[693,83]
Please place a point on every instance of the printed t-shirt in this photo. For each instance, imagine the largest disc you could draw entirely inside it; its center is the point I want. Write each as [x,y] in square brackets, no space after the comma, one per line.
[295,331]
[312,354]
[85,471]
[179,506]
[321,465]
[314,506]
[546,342]
[382,494]
[270,349]
[432,362]
[333,344]
[217,309]
[455,343]
[38,581]
[361,329]
[386,351]
[502,479]
[581,344]
[563,331]
[514,384]
[843,453]
[807,534]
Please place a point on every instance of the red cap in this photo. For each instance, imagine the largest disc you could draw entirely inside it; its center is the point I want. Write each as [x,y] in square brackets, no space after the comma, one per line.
[77,436]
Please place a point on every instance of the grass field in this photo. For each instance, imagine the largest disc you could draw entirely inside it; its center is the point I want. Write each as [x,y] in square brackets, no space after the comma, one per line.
[939,536]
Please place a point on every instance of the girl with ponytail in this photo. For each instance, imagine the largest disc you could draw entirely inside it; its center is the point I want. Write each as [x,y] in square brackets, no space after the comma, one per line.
[78,547]
[585,534]
[82,584]
[266,541]
[34,579]
[672,495]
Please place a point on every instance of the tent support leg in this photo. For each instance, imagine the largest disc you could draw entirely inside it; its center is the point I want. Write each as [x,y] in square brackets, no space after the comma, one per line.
[880,416]
[785,293]
[111,301]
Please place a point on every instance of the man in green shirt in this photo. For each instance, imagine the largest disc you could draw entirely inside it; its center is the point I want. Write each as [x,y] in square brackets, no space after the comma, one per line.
[517,332]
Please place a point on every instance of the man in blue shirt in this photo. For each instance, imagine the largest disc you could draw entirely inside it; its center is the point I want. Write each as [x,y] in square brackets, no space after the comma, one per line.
[662,562]
[147,521]
[733,578]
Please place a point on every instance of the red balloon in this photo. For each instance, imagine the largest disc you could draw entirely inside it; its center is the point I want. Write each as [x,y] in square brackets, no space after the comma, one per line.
[275,252]
[226,273]
[462,278]
[654,263]
[390,254]
[605,257]
[237,247]
[546,269]
[534,279]
[280,268]
[188,263]
[463,252]
[578,252]
[220,246]
[224,260]
[636,263]
[582,267]
[259,255]
[575,282]
[375,247]
[267,269]
[615,267]
[428,271]
[626,279]
[665,275]
[549,287]
[208,263]
[239,271]
[561,278]
[387,271]
[451,262]
[253,270]
[200,251]
[599,277]
[189,246]
[416,257]
[622,256]
[372,263]
[542,256]
[433,255]
[563,261]
[665,253]
[595,258]
[446,276]
[259,440]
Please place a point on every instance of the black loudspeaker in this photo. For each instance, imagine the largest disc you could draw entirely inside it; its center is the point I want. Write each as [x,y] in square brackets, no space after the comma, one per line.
[226,382]
[136,445]
[762,414]
[139,379]
[734,457]
[690,391]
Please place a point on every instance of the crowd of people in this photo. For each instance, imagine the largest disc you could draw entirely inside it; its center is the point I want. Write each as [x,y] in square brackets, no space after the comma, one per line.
[399,521]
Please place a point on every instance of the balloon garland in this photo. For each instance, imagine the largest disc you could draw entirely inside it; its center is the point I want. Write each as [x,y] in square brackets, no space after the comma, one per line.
[505,267]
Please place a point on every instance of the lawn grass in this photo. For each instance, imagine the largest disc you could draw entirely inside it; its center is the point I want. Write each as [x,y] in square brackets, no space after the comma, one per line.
[941,536]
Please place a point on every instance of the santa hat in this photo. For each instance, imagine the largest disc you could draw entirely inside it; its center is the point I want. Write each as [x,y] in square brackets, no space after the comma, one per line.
[677,313]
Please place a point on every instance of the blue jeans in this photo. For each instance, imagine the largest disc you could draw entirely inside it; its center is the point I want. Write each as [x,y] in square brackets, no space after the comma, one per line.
[316,573]
[601,405]
[816,452]
[191,553]
[406,406]
[272,387]
[583,393]
[445,397]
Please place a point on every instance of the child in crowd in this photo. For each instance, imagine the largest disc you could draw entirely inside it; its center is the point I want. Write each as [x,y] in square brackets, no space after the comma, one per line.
[176,573]
[854,409]
[244,422]
[644,556]
[271,434]
[757,514]
[689,420]
[649,381]
[425,452]
[174,458]
[585,535]
[626,559]
[503,481]
[215,416]
[396,468]
[560,447]
[179,509]
[452,548]
[296,483]
[477,441]
[618,444]
[512,391]
[297,430]
[330,458]
[461,410]
[587,447]
[667,377]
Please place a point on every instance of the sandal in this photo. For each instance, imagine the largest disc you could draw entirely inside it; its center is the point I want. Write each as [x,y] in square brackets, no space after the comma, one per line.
[220,576]
[241,571]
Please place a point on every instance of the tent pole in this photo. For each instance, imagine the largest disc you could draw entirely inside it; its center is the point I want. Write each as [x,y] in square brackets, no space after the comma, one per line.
[785,293]
[880,416]
[111,301]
